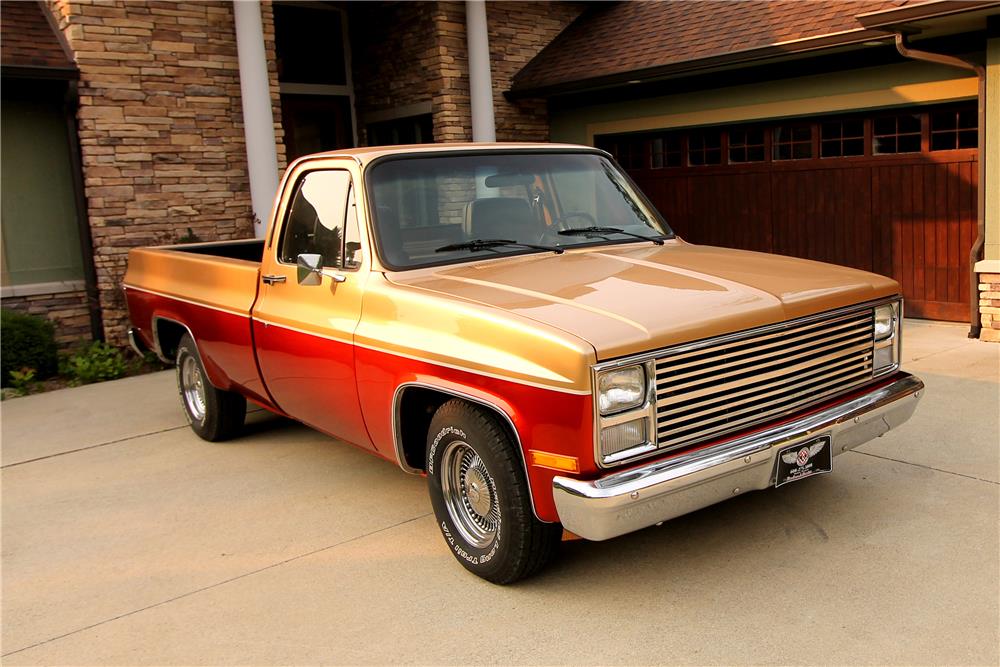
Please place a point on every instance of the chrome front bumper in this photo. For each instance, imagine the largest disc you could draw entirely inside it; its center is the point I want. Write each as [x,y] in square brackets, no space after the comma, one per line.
[632,499]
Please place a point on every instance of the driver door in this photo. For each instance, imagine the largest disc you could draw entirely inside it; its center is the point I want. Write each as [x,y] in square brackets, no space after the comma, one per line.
[304,334]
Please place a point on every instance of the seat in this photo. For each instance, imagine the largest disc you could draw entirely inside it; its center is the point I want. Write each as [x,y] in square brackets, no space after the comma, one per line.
[501,218]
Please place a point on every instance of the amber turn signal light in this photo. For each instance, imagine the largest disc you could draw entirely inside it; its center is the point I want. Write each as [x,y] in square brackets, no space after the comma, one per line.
[554,461]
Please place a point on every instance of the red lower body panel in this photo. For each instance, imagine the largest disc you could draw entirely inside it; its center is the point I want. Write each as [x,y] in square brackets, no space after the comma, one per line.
[224,340]
[545,419]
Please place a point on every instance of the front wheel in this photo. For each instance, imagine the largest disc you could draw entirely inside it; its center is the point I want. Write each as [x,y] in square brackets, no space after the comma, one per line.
[214,414]
[480,496]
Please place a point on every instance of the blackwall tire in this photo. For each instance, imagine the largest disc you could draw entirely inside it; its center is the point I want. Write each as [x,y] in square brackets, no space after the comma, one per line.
[480,496]
[214,414]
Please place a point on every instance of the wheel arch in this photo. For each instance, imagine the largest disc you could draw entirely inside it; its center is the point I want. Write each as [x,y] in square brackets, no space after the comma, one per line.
[167,334]
[414,404]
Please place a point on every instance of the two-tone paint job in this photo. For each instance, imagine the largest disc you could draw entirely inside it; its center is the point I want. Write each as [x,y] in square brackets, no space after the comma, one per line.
[518,334]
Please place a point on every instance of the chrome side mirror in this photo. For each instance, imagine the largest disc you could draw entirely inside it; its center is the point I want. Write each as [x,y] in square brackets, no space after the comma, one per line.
[310,269]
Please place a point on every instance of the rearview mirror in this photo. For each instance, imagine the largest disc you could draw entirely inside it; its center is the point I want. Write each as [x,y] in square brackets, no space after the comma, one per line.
[310,269]
[509,179]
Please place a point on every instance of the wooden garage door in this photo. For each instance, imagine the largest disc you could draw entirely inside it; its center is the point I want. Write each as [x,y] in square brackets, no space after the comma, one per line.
[890,192]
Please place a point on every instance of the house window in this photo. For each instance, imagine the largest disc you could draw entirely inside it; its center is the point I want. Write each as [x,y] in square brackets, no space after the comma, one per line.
[896,134]
[792,142]
[954,128]
[408,130]
[40,235]
[746,145]
[705,148]
[666,151]
[842,138]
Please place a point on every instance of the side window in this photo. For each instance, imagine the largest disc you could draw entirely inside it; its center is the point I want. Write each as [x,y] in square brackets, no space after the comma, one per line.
[322,203]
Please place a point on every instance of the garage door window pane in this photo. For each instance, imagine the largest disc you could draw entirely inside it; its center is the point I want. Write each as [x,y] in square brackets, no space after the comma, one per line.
[842,138]
[792,142]
[704,148]
[954,128]
[896,134]
[746,145]
[665,151]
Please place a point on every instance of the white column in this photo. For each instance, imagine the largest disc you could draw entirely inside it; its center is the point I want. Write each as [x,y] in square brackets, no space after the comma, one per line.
[258,122]
[480,83]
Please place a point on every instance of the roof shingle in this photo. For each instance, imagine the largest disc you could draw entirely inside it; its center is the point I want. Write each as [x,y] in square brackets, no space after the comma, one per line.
[633,36]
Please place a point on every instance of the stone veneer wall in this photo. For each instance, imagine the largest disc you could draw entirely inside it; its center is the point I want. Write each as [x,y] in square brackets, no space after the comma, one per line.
[427,61]
[161,132]
[518,31]
[66,310]
[392,50]
[989,306]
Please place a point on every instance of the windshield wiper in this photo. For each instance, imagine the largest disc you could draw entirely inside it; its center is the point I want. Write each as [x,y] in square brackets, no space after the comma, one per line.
[600,231]
[475,245]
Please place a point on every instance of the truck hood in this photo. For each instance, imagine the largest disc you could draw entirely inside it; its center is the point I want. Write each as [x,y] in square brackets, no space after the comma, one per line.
[633,298]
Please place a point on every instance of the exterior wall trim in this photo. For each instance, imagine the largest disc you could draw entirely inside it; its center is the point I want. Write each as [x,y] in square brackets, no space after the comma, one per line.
[915,93]
[33,289]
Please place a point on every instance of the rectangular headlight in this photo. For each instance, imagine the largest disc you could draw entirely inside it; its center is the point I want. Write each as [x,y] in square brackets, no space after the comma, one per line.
[885,321]
[885,355]
[621,389]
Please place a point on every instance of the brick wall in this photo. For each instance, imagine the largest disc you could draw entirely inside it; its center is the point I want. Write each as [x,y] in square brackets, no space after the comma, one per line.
[161,131]
[989,306]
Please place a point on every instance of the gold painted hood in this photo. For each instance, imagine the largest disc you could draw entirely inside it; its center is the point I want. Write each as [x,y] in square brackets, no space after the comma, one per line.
[626,299]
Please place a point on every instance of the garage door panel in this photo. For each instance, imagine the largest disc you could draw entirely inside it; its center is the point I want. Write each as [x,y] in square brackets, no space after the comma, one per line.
[863,202]
[924,215]
[732,210]
[824,214]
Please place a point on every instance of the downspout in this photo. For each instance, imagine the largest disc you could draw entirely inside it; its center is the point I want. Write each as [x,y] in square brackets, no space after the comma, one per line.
[977,246]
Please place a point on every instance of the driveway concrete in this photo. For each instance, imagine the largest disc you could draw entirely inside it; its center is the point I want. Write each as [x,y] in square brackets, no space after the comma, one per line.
[127,540]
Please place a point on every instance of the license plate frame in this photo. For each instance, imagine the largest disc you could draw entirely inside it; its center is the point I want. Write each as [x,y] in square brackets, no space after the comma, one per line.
[816,458]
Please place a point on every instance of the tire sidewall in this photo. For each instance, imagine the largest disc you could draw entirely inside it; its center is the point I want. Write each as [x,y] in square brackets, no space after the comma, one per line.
[484,562]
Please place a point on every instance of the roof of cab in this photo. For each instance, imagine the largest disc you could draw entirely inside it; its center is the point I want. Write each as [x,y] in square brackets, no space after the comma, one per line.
[366,154]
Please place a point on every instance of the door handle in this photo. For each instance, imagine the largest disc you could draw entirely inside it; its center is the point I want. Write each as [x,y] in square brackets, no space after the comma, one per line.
[271,280]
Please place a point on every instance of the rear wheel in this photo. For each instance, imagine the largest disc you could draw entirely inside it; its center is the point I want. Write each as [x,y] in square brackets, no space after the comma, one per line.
[214,414]
[480,496]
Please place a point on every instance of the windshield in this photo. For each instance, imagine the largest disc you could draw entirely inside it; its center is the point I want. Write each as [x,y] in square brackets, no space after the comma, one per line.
[428,210]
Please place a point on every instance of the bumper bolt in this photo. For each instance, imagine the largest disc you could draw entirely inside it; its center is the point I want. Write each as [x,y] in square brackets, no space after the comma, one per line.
[857,420]
[633,495]
[736,490]
[746,460]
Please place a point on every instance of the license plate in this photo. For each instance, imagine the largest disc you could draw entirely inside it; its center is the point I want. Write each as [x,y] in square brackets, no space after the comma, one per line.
[804,460]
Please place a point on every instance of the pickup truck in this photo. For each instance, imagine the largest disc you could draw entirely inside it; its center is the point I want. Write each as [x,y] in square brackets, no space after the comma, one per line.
[520,325]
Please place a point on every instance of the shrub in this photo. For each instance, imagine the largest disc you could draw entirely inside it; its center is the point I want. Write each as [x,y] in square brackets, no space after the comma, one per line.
[95,363]
[26,341]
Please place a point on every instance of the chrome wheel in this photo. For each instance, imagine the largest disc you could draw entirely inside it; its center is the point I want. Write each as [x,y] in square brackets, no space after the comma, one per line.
[470,494]
[193,388]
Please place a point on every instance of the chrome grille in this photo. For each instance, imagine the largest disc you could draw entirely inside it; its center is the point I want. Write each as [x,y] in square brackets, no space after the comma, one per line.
[737,382]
